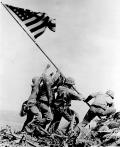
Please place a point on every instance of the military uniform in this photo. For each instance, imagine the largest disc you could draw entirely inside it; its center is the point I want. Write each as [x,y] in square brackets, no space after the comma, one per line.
[41,99]
[62,105]
[102,106]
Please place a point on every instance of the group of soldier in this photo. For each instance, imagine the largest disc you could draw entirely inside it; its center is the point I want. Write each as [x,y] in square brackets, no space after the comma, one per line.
[50,100]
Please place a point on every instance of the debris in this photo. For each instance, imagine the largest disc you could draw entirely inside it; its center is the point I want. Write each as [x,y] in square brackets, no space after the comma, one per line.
[105,133]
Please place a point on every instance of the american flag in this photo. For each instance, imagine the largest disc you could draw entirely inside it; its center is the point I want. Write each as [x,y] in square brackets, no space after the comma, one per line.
[36,22]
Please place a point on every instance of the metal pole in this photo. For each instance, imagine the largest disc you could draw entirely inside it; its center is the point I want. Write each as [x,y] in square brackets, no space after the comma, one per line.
[33,40]
[29,36]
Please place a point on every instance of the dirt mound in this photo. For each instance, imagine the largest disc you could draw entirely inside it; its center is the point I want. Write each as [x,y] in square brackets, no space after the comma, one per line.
[10,138]
[105,133]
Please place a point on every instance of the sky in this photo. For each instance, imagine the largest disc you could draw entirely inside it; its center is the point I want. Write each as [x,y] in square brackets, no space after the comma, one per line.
[85,46]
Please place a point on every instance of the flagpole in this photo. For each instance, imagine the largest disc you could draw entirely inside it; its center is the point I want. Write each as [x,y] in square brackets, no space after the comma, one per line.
[29,36]
[34,41]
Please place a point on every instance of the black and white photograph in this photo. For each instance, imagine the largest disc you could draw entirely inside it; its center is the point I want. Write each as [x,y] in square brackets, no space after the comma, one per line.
[60,73]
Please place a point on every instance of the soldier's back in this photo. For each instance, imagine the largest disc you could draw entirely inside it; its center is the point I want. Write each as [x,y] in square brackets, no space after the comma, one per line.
[102,99]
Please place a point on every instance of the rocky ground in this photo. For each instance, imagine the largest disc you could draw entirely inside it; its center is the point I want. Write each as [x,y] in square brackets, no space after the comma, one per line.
[105,133]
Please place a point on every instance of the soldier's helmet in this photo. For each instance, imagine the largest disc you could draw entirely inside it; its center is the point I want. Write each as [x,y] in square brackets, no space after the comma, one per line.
[110,93]
[69,81]
[35,80]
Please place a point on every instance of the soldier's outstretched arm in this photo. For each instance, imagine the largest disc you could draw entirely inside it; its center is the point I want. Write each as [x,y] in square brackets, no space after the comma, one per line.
[91,96]
[88,98]
[76,96]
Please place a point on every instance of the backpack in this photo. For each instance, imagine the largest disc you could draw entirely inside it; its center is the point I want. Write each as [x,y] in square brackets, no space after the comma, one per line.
[24,109]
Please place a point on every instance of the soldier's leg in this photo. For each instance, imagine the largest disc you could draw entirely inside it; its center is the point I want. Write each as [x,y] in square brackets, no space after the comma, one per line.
[46,114]
[37,114]
[33,116]
[74,122]
[109,111]
[36,121]
[88,117]
[55,122]
[72,112]
[28,120]
[67,114]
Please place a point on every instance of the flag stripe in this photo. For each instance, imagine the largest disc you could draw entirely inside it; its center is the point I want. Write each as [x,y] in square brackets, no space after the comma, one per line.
[36,22]
[36,36]
[35,25]
[39,32]
[44,23]
[29,20]
[32,22]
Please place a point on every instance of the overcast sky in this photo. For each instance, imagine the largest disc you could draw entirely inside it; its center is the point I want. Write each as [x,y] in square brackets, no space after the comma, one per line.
[86,46]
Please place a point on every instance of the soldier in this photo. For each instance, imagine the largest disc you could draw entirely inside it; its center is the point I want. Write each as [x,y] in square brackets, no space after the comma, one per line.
[102,106]
[41,98]
[46,97]
[62,104]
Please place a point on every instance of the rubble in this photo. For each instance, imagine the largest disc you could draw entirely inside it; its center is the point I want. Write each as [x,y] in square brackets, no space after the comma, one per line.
[9,138]
[105,133]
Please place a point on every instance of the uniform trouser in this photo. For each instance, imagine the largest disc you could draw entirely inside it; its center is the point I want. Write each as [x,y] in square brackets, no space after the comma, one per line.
[58,114]
[28,120]
[92,113]
[40,114]
[47,116]
[96,111]
[109,111]
[71,125]
[32,113]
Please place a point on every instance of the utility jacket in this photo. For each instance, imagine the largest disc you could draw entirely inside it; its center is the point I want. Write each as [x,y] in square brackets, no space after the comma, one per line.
[42,90]
[102,100]
[65,95]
